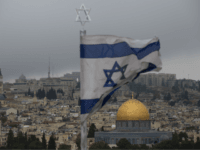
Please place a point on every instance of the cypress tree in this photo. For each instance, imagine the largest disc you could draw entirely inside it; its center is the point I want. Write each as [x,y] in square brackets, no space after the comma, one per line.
[29,91]
[26,141]
[91,131]
[52,143]
[44,141]
[10,139]
[43,93]
[102,129]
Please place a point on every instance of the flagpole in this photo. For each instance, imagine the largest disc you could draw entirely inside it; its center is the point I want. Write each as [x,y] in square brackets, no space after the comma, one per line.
[83,33]
[84,125]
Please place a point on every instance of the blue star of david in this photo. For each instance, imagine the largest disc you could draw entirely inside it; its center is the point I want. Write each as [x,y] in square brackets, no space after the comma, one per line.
[109,73]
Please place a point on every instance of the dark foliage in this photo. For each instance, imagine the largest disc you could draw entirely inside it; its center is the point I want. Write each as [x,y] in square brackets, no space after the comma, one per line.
[51,94]
[64,146]
[52,143]
[91,131]
[123,143]
[100,145]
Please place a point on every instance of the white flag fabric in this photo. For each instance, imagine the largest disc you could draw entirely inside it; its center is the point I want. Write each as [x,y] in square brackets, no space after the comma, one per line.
[107,63]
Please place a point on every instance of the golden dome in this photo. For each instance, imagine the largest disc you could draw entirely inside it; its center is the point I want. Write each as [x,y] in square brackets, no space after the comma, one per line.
[132,110]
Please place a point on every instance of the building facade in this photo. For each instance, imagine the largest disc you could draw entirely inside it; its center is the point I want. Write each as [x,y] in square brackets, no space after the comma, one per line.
[74,75]
[153,79]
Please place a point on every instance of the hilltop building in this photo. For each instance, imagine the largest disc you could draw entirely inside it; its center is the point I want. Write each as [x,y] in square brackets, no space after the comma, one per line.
[133,123]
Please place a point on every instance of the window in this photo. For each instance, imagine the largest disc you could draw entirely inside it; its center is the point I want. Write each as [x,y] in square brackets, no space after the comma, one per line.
[112,141]
[138,141]
[129,123]
[133,140]
[133,124]
[116,141]
[145,141]
[124,124]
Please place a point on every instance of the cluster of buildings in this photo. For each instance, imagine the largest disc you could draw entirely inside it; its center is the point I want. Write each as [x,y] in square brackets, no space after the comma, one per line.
[151,121]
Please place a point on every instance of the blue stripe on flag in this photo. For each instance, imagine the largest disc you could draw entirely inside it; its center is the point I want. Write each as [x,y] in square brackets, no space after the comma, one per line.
[87,104]
[116,50]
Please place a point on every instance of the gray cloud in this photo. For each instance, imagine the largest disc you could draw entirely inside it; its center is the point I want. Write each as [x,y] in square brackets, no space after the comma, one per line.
[33,30]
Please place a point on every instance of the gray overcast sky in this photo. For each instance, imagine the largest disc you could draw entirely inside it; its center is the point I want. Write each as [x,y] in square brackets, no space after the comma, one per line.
[31,31]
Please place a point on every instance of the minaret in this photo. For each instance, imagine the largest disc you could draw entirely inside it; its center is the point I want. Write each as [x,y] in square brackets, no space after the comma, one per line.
[1,83]
[49,69]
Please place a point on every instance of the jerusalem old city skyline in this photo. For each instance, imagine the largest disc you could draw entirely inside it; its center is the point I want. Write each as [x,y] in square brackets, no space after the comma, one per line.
[126,79]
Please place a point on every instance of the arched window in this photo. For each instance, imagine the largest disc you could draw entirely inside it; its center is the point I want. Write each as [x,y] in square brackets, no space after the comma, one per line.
[129,124]
[145,141]
[124,124]
[133,125]
[119,124]
[138,141]
[133,140]
[116,141]
[112,141]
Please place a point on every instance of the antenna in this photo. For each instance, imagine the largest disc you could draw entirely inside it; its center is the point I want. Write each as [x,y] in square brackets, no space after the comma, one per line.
[49,69]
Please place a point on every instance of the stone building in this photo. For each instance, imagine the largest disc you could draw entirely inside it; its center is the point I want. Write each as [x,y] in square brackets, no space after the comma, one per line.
[153,79]
[133,123]
[8,110]
[64,83]
[74,75]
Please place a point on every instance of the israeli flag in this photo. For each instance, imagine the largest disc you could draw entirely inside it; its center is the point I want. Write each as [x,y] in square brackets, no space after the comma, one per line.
[108,62]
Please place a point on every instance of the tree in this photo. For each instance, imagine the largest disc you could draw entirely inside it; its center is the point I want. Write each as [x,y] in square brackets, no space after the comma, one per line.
[91,131]
[64,146]
[172,103]
[26,141]
[10,139]
[102,129]
[35,145]
[44,145]
[175,89]
[166,144]
[100,145]
[52,143]
[167,97]
[29,91]
[123,143]
[182,135]
[51,94]
[175,140]
[197,144]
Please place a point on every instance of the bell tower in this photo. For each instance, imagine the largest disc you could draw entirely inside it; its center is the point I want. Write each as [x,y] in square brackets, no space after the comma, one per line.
[1,83]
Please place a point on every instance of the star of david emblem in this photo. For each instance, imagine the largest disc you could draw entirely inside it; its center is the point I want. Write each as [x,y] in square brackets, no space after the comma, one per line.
[86,11]
[109,73]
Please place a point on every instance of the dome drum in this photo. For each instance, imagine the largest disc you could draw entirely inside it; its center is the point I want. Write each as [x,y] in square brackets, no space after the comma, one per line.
[133,125]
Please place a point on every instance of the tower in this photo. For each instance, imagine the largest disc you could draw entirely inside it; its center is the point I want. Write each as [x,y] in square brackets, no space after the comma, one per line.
[49,69]
[1,83]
